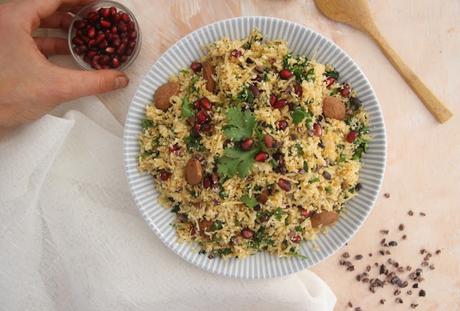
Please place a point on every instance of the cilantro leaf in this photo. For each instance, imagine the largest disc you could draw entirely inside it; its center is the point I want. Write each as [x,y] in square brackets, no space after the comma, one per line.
[278,214]
[249,201]
[240,124]
[332,73]
[187,108]
[236,162]
[193,143]
[298,114]
[146,123]
[245,96]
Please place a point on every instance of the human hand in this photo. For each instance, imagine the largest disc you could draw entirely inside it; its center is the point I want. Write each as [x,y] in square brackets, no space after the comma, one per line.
[30,85]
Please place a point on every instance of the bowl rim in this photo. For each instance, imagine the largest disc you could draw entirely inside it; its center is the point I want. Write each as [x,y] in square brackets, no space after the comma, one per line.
[378,109]
[78,59]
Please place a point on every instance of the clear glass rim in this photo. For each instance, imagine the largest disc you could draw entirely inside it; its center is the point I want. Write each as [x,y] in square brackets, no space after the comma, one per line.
[95,5]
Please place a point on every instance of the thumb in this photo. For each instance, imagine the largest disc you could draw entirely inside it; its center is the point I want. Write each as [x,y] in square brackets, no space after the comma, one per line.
[77,83]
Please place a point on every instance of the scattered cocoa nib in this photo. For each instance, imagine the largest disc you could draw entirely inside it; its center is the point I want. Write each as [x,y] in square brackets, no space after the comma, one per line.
[431,267]
[401,227]
[404,237]
[346,255]
[359,257]
[399,300]
[422,293]
[413,305]
[410,213]
[387,195]
[409,292]
[382,301]
[370,254]
[438,252]
[384,231]
[422,214]
[358,309]
[392,243]
[350,304]
[397,292]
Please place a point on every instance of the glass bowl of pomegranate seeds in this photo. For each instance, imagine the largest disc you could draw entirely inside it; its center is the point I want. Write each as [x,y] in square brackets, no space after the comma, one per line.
[104,35]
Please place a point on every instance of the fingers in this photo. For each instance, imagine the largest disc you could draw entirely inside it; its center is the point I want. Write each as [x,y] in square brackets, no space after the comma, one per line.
[76,83]
[57,20]
[52,46]
[45,8]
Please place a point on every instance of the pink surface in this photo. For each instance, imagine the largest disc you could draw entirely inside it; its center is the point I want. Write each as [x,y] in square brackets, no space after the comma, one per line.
[423,170]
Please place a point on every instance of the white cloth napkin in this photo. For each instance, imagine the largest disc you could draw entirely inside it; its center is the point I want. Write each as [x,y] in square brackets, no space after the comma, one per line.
[72,239]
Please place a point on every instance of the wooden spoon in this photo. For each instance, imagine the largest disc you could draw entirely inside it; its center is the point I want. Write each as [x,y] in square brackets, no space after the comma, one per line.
[356,13]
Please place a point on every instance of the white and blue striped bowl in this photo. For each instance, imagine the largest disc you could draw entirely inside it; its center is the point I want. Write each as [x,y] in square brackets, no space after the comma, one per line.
[301,41]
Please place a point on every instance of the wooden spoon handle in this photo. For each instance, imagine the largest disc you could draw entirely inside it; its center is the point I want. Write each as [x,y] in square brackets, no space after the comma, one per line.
[434,105]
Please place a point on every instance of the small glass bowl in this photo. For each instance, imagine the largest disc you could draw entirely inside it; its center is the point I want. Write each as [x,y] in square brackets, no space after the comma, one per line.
[94,6]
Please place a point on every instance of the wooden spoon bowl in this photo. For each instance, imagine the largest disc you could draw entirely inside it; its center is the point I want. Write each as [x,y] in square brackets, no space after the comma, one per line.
[356,13]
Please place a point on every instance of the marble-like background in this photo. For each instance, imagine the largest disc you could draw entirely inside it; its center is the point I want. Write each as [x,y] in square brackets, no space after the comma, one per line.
[423,169]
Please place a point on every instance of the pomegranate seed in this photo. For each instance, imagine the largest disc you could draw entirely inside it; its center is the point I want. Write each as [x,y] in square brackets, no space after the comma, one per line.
[329,81]
[131,26]
[133,35]
[207,182]
[286,74]
[284,184]
[105,24]
[201,117]
[80,50]
[116,43]
[132,44]
[272,100]
[254,90]
[261,157]
[247,233]
[298,90]
[164,175]
[205,104]
[103,45]
[296,238]
[91,32]
[80,24]
[282,124]
[129,52]
[117,17]
[115,62]
[268,141]
[280,103]
[92,16]
[345,92]
[113,11]
[247,144]
[196,67]
[91,54]
[110,50]
[197,104]
[104,60]
[352,136]
[317,130]
[197,128]
[92,42]
[122,26]
[100,37]
[77,41]
[104,12]
[174,148]
[236,53]
[125,17]
[123,58]
[114,30]
[304,213]
[121,49]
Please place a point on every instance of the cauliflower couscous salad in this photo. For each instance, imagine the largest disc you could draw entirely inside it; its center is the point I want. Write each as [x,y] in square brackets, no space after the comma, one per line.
[253,148]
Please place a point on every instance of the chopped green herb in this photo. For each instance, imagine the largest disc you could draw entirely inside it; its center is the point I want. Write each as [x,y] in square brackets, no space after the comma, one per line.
[235,161]
[305,166]
[192,88]
[328,189]
[240,124]
[313,180]
[309,121]
[187,108]
[249,201]
[193,143]
[217,225]
[245,96]
[223,194]
[146,123]
[332,73]
[278,214]
[299,149]
[298,228]
[298,114]
[342,158]
[175,208]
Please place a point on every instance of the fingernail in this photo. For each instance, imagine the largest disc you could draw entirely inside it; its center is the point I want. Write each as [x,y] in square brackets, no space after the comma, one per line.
[120,82]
